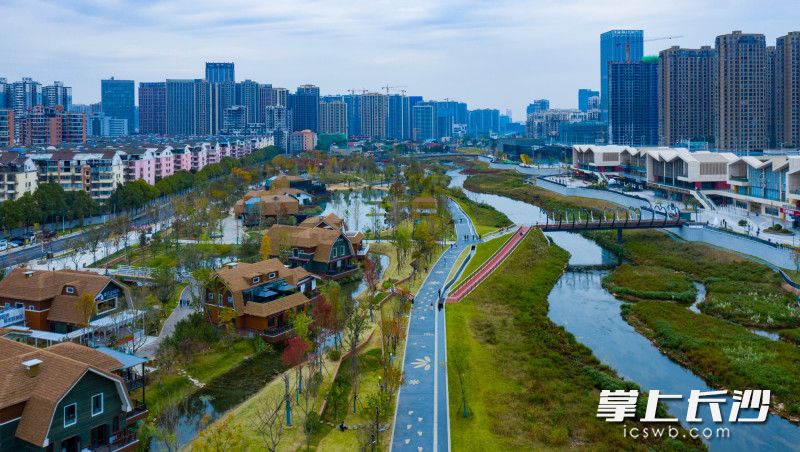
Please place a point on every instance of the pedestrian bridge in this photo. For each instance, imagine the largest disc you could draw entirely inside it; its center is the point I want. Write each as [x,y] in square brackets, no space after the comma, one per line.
[577,220]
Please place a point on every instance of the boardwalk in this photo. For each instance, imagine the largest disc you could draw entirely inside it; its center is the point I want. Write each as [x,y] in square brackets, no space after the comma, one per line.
[421,418]
[488,267]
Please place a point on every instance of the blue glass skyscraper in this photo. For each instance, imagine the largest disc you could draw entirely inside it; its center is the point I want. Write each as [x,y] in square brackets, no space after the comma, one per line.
[116,98]
[633,102]
[619,46]
[220,72]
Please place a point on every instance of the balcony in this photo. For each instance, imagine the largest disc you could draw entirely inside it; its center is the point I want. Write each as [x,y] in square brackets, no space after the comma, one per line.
[139,412]
[123,441]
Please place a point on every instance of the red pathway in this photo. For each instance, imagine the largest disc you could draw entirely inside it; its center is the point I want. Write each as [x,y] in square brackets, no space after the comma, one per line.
[482,273]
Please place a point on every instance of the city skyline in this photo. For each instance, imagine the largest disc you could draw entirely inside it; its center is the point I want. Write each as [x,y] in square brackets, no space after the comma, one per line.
[158,41]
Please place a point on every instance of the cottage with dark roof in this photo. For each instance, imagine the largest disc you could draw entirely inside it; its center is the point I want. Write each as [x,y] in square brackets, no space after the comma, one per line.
[50,301]
[66,397]
[262,295]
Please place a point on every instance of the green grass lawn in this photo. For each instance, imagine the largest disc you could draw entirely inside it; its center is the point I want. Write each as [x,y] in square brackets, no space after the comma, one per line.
[512,184]
[483,251]
[485,218]
[738,289]
[529,384]
[644,282]
[791,335]
[724,354]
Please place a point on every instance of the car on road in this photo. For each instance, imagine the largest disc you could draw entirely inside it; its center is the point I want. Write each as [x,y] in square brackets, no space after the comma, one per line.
[6,245]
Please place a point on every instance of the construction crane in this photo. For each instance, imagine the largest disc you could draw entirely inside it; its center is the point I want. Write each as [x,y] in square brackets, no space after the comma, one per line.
[387,88]
[663,38]
[353,91]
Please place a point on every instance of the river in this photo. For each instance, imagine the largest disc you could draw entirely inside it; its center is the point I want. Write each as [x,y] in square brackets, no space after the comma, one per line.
[580,304]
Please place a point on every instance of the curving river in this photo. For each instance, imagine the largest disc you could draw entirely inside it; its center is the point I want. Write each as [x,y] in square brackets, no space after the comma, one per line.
[580,304]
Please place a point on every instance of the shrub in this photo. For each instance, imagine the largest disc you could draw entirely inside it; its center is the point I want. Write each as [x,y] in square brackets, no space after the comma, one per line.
[334,354]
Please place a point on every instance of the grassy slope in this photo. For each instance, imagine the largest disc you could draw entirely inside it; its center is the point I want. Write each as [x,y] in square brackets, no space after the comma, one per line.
[739,290]
[512,184]
[529,384]
[485,217]
[724,354]
[483,252]
[646,282]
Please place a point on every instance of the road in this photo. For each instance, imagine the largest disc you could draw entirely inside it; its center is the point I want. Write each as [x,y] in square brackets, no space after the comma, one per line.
[27,254]
[421,421]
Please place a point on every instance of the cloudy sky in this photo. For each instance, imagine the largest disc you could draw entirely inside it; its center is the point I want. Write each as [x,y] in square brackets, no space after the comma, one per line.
[489,53]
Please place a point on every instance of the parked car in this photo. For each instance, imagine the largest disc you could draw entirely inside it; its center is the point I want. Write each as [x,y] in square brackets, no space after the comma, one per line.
[4,245]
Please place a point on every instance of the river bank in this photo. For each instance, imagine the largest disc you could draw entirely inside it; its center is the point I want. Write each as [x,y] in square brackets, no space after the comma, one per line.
[580,304]
[522,381]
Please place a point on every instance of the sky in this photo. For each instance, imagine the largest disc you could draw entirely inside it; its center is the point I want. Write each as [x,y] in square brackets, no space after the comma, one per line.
[489,53]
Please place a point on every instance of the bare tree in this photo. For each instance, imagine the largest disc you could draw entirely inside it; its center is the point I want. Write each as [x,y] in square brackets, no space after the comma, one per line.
[93,239]
[77,246]
[270,421]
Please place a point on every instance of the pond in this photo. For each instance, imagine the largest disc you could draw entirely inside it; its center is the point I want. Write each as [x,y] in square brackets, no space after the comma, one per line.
[359,208]
[580,304]
[207,404]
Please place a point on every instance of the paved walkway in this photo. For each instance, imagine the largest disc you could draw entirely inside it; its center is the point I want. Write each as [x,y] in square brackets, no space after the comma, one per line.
[421,420]
[148,350]
[488,267]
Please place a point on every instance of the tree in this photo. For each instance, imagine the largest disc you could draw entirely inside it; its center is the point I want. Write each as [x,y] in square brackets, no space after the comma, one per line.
[270,422]
[266,247]
[401,239]
[93,238]
[378,406]
[371,278]
[332,293]
[86,307]
[224,436]
[796,258]
[164,284]
[293,356]
[77,246]
[354,327]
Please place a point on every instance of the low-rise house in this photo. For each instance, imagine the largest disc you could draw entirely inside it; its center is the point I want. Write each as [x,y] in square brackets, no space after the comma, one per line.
[66,397]
[139,164]
[261,296]
[17,175]
[320,249]
[53,309]
[309,186]
[259,206]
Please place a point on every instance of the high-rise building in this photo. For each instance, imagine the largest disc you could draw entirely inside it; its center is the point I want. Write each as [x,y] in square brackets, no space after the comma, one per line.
[740,93]
[685,97]
[332,115]
[247,95]
[5,89]
[424,121]
[583,98]
[116,97]
[180,105]
[100,125]
[537,106]
[223,96]
[617,46]
[771,56]
[23,96]
[787,90]
[202,107]
[152,108]
[353,102]
[278,120]
[220,72]
[484,121]
[264,99]
[304,104]
[457,110]
[51,126]
[633,102]
[278,98]
[374,111]
[6,128]
[234,119]
[399,117]
[57,94]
